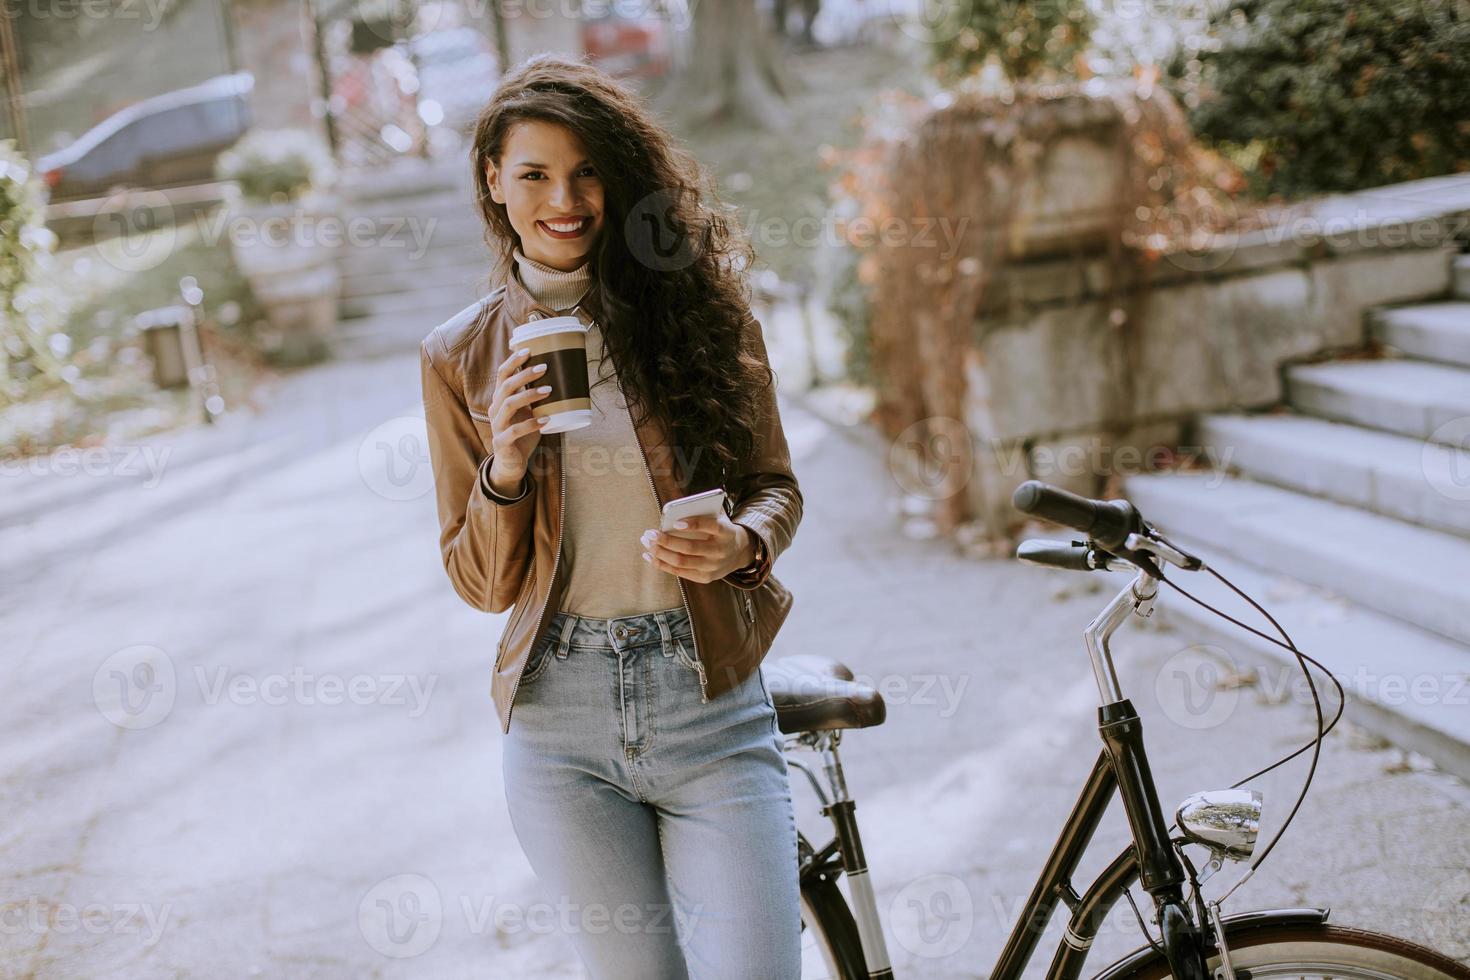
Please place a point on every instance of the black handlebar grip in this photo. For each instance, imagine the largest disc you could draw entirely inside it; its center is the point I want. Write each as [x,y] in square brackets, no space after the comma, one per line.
[1055,554]
[1108,522]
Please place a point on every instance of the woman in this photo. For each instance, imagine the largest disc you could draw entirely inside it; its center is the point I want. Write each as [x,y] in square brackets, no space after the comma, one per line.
[644,773]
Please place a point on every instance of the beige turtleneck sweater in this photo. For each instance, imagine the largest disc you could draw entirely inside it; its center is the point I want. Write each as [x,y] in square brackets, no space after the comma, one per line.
[610,500]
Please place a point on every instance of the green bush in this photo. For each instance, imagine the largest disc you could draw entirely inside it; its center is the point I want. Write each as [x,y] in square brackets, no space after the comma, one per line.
[1312,96]
[276,165]
[1028,41]
[848,303]
[31,314]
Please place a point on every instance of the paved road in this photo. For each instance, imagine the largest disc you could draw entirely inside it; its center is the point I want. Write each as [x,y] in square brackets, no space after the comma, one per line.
[246,725]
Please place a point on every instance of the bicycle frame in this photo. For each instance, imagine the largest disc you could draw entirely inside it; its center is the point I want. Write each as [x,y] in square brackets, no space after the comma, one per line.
[1121,767]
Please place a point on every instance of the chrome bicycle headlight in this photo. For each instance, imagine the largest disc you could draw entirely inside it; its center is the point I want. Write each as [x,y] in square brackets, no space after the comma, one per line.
[1225,820]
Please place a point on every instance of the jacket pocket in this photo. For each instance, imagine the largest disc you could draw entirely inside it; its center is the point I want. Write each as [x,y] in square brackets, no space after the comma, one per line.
[523,602]
[771,602]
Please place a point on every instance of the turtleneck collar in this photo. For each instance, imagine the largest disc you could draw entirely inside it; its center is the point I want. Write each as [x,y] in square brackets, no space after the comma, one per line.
[552,287]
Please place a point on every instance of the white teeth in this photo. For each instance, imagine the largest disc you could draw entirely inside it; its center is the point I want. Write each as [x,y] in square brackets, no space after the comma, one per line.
[574,226]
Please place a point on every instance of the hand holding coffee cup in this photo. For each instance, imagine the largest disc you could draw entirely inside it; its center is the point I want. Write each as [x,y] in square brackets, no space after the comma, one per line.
[551,356]
[559,343]
[515,431]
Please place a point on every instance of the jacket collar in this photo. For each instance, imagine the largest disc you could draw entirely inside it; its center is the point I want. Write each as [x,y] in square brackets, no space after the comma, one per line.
[519,304]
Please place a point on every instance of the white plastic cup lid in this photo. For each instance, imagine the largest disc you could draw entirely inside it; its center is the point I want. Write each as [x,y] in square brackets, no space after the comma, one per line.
[540,328]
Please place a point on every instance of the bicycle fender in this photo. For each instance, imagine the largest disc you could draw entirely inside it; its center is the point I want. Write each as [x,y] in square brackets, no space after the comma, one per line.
[1234,925]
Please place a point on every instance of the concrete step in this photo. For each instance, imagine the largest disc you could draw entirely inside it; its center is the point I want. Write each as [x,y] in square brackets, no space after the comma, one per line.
[406,177]
[412,302]
[407,235]
[447,207]
[1462,276]
[1429,331]
[1414,398]
[1411,573]
[390,333]
[1421,482]
[1407,685]
[376,261]
[434,271]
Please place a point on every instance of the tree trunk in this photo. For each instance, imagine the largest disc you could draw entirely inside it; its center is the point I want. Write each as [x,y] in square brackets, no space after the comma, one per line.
[735,73]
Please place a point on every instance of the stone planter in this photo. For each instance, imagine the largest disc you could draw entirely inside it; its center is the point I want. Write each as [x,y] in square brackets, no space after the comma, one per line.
[1069,199]
[288,254]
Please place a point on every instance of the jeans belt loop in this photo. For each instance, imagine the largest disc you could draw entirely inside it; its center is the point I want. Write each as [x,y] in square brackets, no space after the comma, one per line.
[563,647]
[664,634]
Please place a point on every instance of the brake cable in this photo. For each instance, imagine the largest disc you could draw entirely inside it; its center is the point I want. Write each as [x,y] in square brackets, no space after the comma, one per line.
[1302,661]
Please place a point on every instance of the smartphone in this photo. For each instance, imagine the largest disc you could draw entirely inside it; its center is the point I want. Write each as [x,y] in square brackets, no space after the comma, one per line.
[709,503]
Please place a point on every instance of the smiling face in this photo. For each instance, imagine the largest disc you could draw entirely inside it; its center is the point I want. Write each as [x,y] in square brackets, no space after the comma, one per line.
[551,193]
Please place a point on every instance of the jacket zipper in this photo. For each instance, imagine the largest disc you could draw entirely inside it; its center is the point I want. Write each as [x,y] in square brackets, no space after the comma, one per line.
[551,582]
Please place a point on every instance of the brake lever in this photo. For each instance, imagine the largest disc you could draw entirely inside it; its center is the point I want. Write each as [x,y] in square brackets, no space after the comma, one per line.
[1103,560]
[1153,546]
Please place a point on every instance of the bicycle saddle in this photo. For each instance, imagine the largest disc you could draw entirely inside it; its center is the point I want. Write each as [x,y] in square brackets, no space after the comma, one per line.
[814,693]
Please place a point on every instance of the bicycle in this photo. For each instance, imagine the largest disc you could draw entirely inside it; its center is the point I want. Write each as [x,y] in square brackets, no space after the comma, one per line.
[817,700]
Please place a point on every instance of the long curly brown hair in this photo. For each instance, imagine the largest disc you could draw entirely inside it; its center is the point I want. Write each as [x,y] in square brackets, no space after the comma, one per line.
[668,270]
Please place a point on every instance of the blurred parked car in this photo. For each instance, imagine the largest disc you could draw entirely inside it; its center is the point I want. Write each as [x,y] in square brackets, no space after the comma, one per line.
[457,71]
[626,46]
[165,141]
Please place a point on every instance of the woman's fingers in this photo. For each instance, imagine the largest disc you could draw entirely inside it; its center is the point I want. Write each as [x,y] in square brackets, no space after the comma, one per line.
[681,545]
[505,416]
[512,375]
[666,561]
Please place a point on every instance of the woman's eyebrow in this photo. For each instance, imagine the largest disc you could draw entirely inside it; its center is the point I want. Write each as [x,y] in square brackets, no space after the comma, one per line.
[533,163]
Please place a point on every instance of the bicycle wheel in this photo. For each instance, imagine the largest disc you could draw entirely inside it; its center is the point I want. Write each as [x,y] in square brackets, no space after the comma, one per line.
[826,919]
[1319,952]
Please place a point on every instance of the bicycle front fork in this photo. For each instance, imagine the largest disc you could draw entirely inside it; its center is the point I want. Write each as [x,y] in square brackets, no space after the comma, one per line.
[839,807]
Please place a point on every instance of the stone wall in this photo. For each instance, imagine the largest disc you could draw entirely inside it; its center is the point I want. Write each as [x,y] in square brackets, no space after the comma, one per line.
[1047,376]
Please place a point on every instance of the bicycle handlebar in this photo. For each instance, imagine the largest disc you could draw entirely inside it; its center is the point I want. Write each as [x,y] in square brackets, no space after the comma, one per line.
[1108,522]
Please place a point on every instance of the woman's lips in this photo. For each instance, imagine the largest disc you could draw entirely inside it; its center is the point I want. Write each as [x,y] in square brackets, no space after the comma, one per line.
[565,235]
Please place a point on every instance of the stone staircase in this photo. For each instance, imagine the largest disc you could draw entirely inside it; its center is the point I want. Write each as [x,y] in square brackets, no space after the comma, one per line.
[1348,517]
[417,259]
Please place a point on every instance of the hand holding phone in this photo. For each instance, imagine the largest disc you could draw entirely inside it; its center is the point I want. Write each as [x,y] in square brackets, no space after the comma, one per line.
[706,504]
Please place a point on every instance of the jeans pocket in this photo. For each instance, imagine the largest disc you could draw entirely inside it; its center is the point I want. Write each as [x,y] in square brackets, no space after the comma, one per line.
[683,646]
[541,655]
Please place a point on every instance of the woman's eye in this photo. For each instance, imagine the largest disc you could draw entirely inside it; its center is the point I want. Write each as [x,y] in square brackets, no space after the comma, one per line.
[588,171]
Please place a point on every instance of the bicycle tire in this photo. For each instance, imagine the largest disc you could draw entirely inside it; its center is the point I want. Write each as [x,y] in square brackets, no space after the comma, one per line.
[825,915]
[1297,951]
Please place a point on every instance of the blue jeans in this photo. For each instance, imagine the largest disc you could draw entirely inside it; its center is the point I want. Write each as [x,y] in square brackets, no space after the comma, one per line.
[662,826]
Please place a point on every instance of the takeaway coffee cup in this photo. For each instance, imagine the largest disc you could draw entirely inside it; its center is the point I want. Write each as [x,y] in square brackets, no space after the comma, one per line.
[559,342]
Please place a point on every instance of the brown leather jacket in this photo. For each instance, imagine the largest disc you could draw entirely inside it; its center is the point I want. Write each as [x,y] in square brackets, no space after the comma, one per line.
[500,555]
